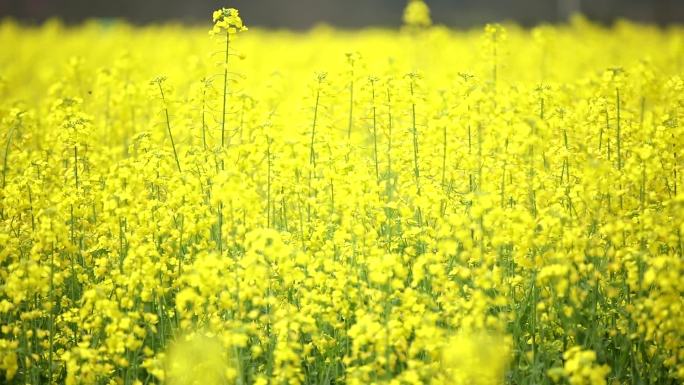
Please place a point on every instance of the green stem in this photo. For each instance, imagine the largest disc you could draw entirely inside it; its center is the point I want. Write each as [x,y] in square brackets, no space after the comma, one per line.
[503,176]
[389,142]
[219,232]
[168,127]
[10,134]
[375,134]
[444,156]
[607,128]
[619,142]
[4,165]
[33,218]
[204,123]
[351,104]
[388,186]
[225,91]
[52,313]
[268,182]
[284,208]
[76,165]
[416,169]
[312,151]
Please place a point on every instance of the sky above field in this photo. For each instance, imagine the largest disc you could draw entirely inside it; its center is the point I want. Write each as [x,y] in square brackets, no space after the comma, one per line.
[302,14]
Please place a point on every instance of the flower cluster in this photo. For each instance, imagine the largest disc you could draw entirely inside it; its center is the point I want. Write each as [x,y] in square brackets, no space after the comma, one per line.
[227,20]
[580,368]
[417,14]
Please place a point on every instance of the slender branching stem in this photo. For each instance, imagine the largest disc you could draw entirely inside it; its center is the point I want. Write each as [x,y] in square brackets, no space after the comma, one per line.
[225,91]
[168,126]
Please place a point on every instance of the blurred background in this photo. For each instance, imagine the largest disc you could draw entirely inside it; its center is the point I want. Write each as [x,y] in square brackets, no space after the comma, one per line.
[303,14]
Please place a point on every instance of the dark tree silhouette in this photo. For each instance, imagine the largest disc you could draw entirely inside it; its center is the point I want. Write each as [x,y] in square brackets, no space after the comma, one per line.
[300,14]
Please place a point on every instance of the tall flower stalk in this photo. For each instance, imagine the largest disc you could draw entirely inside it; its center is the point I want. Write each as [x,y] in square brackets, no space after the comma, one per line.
[227,22]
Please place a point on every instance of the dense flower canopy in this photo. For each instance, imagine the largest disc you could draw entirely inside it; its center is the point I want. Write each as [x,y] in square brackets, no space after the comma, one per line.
[422,206]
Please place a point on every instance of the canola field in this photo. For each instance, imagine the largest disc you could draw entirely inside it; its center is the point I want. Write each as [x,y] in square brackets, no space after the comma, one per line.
[417,206]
